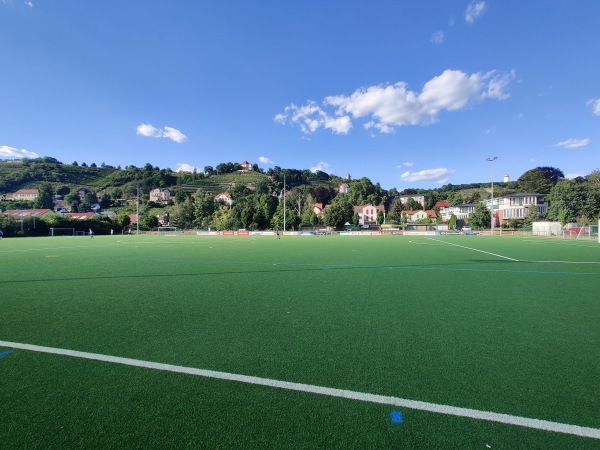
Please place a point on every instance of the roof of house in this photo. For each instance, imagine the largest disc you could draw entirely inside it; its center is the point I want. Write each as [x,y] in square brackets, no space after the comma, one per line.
[80,216]
[429,212]
[27,212]
[27,192]
[442,204]
[223,194]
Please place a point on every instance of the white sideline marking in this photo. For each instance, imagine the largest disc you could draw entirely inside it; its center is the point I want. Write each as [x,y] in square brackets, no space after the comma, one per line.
[475,250]
[517,260]
[332,392]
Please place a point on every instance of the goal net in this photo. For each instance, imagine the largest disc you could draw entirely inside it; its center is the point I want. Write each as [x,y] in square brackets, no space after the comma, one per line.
[62,232]
[169,231]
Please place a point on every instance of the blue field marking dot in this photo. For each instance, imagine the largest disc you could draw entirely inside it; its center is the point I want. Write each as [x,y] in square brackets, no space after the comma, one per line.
[396,417]
[5,352]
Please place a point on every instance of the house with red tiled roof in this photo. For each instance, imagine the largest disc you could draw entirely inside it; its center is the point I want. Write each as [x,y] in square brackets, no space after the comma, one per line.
[246,165]
[367,214]
[342,188]
[415,216]
[224,197]
[26,213]
[26,194]
[318,209]
[442,204]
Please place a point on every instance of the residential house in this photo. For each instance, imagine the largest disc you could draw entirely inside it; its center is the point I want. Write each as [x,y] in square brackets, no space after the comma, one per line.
[224,197]
[343,188]
[160,195]
[26,213]
[461,212]
[419,215]
[367,214]
[26,194]
[516,206]
[246,165]
[421,199]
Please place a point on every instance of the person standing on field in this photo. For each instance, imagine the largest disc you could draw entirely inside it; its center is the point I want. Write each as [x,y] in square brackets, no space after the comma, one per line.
[91,233]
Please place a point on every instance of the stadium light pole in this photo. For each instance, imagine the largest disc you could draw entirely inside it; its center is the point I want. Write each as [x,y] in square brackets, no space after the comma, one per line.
[491,160]
[284,202]
[138,209]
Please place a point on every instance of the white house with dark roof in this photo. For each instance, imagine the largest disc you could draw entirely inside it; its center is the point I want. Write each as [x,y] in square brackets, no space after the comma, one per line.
[160,195]
[516,206]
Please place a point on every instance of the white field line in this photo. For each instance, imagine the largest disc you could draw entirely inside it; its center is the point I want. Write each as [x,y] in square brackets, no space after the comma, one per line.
[516,260]
[474,249]
[332,392]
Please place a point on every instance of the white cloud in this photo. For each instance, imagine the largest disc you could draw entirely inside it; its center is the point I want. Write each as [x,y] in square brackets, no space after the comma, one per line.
[146,129]
[183,167]
[7,152]
[474,11]
[438,37]
[311,117]
[392,105]
[440,175]
[29,3]
[573,143]
[322,166]
[571,176]
[405,164]
[265,160]
[595,102]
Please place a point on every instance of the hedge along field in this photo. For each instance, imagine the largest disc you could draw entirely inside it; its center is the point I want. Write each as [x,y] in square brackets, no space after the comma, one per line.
[501,324]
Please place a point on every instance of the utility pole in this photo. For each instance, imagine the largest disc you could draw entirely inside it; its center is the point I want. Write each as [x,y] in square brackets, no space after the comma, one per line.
[284,202]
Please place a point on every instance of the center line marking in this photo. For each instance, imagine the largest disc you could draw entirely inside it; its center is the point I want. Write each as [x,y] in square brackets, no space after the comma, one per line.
[331,392]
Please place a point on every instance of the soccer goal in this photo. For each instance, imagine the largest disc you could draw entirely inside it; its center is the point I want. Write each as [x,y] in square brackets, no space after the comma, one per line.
[62,232]
[169,231]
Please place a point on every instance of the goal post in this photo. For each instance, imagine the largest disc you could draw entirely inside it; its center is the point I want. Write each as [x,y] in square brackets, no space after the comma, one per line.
[169,231]
[62,232]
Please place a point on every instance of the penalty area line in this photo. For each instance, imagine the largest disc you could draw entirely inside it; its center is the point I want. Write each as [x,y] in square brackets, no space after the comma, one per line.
[475,250]
[321,390]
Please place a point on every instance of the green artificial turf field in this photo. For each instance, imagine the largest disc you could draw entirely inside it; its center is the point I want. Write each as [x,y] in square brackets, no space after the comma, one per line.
[507,325]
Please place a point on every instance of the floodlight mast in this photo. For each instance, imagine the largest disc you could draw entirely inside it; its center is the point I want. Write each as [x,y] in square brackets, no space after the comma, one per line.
[491,159]
[138,210]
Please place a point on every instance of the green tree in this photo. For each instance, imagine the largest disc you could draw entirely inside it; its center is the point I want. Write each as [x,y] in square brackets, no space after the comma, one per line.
[539,180]
[452,222]
[533,215]
[182,215]
[395,212]
[570,199]
[204,208]
[148,221]
[480,218]
[45,199]
[413,205]
[339,213]
[225,219]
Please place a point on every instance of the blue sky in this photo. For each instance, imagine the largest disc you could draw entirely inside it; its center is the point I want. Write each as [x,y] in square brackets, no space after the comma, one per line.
[406,93]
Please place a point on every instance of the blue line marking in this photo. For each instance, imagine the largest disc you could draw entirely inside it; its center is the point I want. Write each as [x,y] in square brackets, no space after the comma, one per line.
[5,352]
[396,417]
